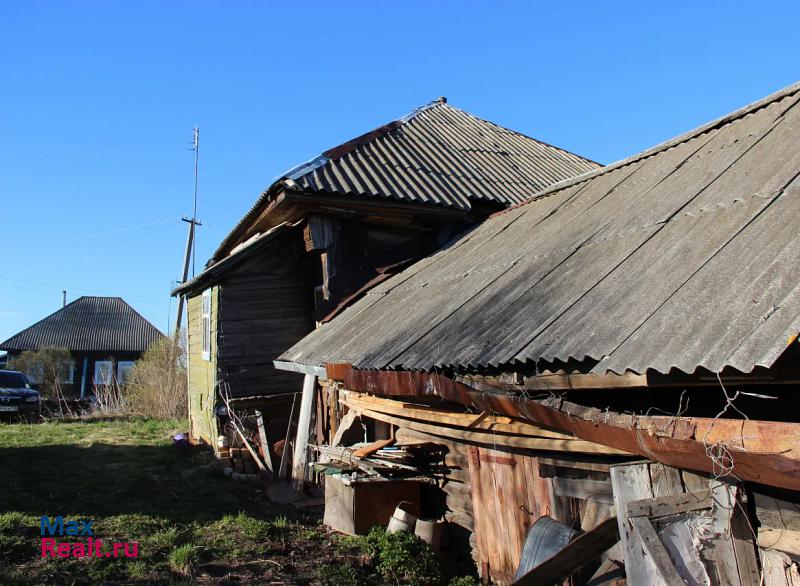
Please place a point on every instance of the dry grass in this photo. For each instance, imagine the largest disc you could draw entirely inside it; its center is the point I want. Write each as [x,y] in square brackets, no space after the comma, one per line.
[156,386]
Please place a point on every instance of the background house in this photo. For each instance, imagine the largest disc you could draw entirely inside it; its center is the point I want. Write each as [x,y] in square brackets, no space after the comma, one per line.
[104,335]
[331,228]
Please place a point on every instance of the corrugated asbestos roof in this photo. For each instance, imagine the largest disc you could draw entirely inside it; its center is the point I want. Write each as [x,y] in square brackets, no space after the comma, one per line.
[89,324]
[683,257]
[437,155]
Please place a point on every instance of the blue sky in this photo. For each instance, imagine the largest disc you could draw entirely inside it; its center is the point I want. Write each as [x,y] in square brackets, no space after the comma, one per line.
[98,101]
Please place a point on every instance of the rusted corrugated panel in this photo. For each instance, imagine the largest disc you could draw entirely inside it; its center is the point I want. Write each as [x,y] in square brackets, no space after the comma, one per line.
[685,258]
[87,324]
[758,451]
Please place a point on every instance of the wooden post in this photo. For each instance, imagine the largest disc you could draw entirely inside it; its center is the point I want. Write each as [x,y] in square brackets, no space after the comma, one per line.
[262,436]
[303,427]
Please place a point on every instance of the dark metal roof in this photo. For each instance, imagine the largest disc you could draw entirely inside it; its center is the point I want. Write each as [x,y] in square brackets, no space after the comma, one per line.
[103,324]
[437,155]
[686,256]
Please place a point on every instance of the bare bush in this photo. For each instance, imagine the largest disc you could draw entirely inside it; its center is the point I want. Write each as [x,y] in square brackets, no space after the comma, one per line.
[156,386]
[48,366]
[109,398]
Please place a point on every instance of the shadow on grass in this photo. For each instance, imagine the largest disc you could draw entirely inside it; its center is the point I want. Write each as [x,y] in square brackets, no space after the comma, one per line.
[103,479]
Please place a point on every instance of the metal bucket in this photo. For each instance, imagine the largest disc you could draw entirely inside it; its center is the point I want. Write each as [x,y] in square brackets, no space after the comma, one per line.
[402,519]
[431,532]
[546,538]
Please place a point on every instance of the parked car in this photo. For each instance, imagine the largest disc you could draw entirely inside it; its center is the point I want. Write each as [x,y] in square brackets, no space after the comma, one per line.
[18,398]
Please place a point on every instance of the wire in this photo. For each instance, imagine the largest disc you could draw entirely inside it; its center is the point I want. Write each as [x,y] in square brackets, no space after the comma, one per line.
[51,243]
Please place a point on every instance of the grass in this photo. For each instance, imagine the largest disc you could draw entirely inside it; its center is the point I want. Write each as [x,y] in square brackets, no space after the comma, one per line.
[191,523]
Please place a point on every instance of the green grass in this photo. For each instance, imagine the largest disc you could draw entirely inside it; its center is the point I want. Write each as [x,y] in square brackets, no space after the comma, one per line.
[190,522]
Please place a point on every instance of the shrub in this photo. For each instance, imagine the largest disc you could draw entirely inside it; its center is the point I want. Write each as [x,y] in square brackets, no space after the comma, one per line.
[47,366]
[403,558]
[156,386]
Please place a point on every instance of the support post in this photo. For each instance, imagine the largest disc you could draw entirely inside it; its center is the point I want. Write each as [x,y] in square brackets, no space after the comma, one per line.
[303,427]
[84,375]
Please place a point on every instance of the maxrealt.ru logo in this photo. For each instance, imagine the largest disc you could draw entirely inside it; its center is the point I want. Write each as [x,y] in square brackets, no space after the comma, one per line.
[90,547]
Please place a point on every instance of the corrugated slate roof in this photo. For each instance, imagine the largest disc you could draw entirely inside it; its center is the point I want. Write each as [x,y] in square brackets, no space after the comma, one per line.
[443,156]
[437,155]
[684,257]
[89,324]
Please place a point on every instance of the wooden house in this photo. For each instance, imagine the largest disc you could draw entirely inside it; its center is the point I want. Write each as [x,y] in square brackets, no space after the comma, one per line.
[104,336]
[332,228]
[645,310]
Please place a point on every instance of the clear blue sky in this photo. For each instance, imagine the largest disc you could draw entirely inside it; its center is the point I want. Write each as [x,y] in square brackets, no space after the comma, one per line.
[98,99]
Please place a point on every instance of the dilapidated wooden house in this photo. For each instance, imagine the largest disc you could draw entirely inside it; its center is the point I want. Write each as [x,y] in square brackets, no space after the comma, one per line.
[336,226]
[648,310]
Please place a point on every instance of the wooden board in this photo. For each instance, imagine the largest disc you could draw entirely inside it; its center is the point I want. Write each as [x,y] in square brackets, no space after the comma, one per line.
[507,498]
[486,437]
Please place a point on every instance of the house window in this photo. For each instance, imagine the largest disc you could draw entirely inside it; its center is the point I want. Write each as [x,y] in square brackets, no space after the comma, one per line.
[205,325]
[69,372]
[103,372]
[124,370]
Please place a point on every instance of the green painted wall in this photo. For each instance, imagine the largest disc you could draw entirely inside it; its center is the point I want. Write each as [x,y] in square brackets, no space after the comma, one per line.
[202,373]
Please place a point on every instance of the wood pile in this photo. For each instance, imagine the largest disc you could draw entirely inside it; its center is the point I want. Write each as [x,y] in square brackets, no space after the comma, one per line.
[381,460]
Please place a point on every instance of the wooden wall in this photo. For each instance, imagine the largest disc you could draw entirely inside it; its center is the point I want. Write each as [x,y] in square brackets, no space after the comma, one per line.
[202,373]
[266,305]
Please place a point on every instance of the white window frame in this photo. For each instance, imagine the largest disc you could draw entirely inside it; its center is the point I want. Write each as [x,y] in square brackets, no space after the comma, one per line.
[98,366]
[123,370]
[205,325]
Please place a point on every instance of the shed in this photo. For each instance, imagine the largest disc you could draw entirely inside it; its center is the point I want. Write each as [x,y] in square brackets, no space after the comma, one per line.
[649,307]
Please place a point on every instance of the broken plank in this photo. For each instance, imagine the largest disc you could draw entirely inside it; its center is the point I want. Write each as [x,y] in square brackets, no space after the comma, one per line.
[369,449]
[670,505]
[656,550]
[579,552]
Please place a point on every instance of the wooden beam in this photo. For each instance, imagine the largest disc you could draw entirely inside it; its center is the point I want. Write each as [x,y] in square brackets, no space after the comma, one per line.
[303,428]
[262,436]
[489,438]
[476,421]
[582,550]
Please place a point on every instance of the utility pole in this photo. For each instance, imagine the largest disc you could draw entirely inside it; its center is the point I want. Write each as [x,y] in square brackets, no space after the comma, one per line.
[193,222]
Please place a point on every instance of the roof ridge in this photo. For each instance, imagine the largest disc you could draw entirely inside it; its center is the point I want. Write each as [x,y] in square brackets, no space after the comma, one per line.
[665,145]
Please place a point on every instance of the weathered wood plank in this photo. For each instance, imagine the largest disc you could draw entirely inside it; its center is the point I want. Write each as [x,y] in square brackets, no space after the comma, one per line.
[585,489]
[656,551]
[631,482]
[670,505]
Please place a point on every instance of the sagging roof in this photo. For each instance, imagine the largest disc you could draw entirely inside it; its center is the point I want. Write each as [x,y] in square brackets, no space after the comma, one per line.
[686,256]
[436,155]
[102,324]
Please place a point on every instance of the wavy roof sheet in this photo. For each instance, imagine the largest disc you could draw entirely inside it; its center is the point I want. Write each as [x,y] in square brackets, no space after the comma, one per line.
[103,324]
[686,256]
[437,155]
